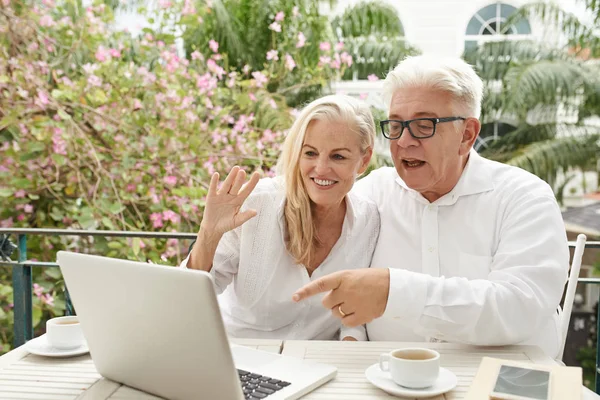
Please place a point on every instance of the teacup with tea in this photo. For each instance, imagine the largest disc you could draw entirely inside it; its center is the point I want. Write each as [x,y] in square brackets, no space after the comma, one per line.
[414,368]
[64,333]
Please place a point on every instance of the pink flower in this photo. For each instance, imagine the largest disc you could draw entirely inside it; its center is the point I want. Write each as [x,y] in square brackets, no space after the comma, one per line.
[346,58]
[90,68]
[164,3]
[156,219]
[21,217]
[42,99]
[214,68]
[137,104]
[48,299]
[295,12]
[188,8]
[301,40]
[339,46]
[214,46]
[102,54]
[273,104]
[7,223]
[259,79]
[93,80]
[196,55]
[172,216]
[324,60]
[372,78]
[115,53]
[325,46]
[272,55]
[28,208]
[290,64]
[252,97]
[59,146]
[210,168]
[38,290]
[19,194]
[363,96]
[170,180]
[275,27]
[46,21]
[280,16]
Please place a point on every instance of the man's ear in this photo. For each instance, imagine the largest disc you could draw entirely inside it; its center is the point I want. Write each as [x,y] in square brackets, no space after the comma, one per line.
[366,158]
[470,133]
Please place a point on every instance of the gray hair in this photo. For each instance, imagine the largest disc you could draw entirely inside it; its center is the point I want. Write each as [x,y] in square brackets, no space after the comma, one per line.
[452,75]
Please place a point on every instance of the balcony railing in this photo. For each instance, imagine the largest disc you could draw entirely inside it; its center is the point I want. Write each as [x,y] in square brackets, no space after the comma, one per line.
[23,285]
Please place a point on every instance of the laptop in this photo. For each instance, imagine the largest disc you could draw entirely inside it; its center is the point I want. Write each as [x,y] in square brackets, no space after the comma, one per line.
[159,329]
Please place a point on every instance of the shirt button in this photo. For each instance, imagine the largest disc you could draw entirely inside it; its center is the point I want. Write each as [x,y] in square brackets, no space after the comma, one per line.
[431,249]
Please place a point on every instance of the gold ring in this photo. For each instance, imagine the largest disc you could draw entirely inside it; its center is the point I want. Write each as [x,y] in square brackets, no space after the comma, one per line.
[340,310]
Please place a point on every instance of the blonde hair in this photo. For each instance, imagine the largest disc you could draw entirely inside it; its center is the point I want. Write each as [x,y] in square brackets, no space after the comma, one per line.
[452,75]
[301,238]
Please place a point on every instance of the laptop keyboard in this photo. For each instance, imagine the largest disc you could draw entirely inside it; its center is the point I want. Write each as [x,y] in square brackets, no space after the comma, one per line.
[257,386]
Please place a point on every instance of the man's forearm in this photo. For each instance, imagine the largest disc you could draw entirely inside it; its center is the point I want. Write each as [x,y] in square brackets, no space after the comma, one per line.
[203,252]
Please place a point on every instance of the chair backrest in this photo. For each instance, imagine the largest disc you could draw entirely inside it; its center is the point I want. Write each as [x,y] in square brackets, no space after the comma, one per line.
[570,293]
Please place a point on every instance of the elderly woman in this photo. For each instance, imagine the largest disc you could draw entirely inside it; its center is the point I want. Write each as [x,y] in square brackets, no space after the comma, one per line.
[271,236]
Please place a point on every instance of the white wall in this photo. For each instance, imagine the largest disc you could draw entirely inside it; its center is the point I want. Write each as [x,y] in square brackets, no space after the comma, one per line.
[438,26]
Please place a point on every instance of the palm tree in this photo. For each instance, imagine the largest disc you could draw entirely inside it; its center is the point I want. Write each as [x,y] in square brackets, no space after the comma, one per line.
[530,85]
[581,32]
[370,31]
[373,33]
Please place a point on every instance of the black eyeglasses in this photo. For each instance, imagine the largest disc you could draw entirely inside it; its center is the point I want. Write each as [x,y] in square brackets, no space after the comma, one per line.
[419,128]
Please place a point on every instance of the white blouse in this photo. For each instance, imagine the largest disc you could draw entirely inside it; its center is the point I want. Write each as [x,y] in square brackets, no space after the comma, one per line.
[255,259]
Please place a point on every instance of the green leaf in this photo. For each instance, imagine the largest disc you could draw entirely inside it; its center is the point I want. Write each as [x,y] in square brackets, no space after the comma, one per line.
[58,159]
[5,290]
[36,314]
[53,273]
[63,115]
[33,196]
[108,223]
[36,146]
[116,208]
[56,215]
[114,245]
[57,94]
[136,244]
[5,192]
[59,305]
[86,221]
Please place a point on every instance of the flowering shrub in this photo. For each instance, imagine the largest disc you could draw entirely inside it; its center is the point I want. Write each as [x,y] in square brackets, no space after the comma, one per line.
[100,129]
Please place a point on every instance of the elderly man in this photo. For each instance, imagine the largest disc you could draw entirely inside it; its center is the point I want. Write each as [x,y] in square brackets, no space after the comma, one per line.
[470,250]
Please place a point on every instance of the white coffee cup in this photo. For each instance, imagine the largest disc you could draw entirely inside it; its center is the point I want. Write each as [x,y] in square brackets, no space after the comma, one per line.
[414,368]
[64,332]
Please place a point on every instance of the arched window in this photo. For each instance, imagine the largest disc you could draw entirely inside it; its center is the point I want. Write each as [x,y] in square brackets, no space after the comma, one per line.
[490,132]
[489,23]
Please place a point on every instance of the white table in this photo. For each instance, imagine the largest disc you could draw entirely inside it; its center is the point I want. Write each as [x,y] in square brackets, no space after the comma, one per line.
[352,358]
[26,376]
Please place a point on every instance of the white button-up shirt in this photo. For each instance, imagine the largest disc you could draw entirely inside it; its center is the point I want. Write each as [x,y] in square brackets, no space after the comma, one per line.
[254,258]
[485,264]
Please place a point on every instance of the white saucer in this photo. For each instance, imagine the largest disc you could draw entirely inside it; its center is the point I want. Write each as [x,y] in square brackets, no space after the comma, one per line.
[382,379]
[40,346]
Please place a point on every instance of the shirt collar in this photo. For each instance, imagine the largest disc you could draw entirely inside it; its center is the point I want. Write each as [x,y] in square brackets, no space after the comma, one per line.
[475,178]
